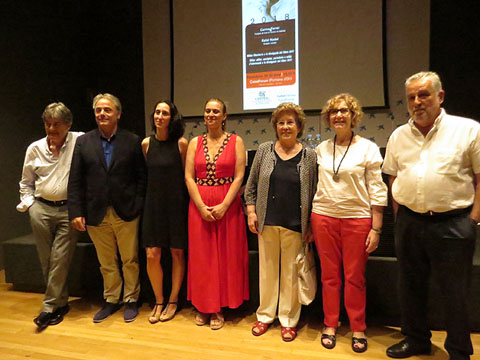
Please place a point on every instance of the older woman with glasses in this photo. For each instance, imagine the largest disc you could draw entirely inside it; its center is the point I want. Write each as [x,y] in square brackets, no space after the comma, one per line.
[346,216]
[279,195]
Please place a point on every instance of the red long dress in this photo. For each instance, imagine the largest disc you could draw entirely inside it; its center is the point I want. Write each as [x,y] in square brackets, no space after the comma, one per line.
[218,252]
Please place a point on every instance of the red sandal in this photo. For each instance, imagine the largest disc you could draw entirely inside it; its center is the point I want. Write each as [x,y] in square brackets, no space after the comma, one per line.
[261,327]
[289,333]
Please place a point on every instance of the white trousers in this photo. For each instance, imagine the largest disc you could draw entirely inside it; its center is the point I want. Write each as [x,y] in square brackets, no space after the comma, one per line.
[278,248]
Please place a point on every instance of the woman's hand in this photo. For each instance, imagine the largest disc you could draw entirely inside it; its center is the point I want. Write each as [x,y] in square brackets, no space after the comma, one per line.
[308,238]
[253,222]
[206,213]
[218,211]
[372,241]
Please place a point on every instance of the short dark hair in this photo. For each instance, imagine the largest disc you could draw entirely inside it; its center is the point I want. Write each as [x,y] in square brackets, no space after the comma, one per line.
[176,126]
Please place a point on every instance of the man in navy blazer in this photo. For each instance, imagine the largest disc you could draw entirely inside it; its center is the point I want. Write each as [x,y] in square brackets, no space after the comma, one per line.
[106,190]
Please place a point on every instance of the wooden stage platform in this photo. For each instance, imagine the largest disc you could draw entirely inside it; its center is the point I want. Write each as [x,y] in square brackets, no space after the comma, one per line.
[77,337]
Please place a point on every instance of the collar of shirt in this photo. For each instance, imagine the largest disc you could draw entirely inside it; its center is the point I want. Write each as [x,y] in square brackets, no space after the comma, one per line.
[47,147]
[434,128]
[108,138]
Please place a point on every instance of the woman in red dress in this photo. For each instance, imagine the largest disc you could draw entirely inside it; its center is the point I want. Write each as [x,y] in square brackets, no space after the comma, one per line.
[218,253]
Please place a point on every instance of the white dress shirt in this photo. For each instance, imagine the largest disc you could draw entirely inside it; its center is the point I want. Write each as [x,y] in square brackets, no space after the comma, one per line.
[360,185]
[434,172]
[43,174]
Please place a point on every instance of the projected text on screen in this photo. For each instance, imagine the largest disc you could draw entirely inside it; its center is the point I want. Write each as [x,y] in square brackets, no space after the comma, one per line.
[270,53]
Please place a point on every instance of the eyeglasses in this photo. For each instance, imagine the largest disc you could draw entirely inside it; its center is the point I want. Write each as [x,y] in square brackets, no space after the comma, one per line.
[343,111]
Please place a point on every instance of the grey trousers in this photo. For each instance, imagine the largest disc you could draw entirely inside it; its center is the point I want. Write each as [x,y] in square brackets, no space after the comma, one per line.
[56,242]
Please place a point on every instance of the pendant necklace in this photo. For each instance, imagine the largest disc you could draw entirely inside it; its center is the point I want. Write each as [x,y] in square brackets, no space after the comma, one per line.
[335,176]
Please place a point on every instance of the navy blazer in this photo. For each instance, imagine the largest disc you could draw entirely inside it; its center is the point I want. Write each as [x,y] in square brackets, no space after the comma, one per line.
[92,187]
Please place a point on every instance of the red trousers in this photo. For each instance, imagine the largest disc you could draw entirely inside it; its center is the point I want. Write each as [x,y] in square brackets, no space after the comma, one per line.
[342,241]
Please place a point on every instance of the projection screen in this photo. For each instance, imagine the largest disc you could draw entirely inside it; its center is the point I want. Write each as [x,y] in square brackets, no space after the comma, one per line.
[340,49]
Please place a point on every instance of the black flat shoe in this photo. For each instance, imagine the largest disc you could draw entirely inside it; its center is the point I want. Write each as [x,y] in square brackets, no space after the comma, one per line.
[43,320]
[58,315]
[407,348]
[332,338]
[359,341]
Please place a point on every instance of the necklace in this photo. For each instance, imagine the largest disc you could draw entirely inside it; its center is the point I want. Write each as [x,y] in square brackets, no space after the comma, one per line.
[335,176]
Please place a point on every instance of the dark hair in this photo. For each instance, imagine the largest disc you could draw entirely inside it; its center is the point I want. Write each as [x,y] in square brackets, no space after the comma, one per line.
[176,126]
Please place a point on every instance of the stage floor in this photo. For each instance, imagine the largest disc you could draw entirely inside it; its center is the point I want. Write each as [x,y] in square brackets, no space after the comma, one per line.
[77,337]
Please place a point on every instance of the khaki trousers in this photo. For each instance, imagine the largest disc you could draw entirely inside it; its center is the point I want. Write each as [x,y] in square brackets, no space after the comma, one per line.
[278,248]
[56,241]
[111,237]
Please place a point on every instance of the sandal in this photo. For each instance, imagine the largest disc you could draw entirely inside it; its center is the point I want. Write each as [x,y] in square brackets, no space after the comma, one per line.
[155,314]
[201,318]
[261,328]
[289,333]
[166,315]
[359,341]
[216,321]
[333,341]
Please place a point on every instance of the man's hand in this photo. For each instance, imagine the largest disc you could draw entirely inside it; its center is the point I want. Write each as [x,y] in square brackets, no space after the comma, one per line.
[79,223]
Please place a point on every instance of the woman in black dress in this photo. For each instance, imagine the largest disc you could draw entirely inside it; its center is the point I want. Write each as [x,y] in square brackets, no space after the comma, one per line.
[164,223]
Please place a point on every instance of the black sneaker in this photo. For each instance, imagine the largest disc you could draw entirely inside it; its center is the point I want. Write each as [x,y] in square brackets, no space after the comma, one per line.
[131,311]
[43,320]
[58,315]
[105,312]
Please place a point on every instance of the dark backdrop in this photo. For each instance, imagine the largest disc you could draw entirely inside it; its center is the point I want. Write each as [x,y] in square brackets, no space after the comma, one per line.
[65,51]
[455,54]
[69,51]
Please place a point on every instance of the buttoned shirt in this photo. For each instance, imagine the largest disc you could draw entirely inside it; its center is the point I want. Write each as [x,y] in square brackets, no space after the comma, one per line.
[360,185]
[108,145]
[434,172]
[45,175]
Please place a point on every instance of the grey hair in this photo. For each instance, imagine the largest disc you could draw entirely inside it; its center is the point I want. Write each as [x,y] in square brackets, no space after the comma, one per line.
[427,75]
[58,110]
[110,97]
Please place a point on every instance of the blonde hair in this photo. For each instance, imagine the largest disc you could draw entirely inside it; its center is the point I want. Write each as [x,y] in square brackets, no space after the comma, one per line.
[352,104]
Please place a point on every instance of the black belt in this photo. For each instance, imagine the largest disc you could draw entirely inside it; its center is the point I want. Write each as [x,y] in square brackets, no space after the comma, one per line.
[450,213]
[52,203]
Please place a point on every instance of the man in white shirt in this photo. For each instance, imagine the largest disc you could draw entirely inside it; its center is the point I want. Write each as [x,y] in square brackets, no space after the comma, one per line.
[43,193]
[434,167]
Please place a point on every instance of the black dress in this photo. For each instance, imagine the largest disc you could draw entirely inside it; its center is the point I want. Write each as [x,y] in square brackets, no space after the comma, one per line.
[165,212]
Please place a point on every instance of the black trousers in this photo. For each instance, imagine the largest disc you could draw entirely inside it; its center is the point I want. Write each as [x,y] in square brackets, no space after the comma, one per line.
[435,248]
